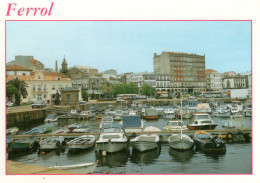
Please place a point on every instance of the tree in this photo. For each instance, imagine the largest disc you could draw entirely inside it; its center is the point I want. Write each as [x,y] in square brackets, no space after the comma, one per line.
[107,90]
[84,95]
[11,90]
[124,88]
[21,89]
[147,90]
[57,99]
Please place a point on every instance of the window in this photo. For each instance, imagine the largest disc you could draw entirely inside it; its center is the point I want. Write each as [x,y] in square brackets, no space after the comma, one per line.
[39,88]
[53,87]
[33,96]
[39,76]
[39,97]
[45,88]
[34,88]
[60,86]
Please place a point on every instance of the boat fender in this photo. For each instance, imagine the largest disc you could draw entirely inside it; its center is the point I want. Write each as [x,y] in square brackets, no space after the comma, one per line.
[58,144]
[229,136]
[31,145]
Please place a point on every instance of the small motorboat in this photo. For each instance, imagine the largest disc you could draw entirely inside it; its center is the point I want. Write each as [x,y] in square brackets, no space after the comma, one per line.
[235,121]
[112,138]
[202,121]
[72,127]
[52,143]
[87,114]
[106,120]
[208,142]
[89,168]
[132,124]
[12,131]
[180,142]
[73,112]
[40,129]
[151,113]
[81,129]
[145,142]
[222,112]
[82,142]
[51,118]
[175,126]
[23,144]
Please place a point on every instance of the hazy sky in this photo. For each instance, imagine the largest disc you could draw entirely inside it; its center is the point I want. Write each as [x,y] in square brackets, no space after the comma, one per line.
[128,46]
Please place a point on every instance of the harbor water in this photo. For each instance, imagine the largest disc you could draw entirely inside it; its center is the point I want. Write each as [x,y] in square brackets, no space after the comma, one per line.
[236,160]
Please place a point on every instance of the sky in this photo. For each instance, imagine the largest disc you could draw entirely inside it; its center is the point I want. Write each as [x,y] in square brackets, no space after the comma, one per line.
[129,46]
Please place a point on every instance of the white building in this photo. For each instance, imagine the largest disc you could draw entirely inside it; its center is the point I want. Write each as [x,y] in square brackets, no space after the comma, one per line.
[214,80]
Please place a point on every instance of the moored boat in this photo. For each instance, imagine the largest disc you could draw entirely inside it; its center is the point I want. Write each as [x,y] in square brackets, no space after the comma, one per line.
[82,142]
[132,124]
[23,144]
[208,142]
[89,168]
[175,126]
[51,118]
[151,113]
[52,143]
[201,121]
[12,131]
[112,138]
[145,142]
[180,142]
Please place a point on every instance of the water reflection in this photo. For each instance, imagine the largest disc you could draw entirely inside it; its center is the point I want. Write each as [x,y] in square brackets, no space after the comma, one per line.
[113,159]
[147,157]
[181,156]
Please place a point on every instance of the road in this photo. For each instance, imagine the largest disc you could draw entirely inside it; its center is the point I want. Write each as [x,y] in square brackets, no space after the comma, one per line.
[20,109]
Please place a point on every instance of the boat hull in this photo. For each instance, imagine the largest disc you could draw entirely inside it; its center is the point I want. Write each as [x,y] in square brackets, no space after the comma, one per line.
[151,117]
[223,115]
[80,146]
[111,146]
[144,145]
[181,145]
[89,168]
[202,127]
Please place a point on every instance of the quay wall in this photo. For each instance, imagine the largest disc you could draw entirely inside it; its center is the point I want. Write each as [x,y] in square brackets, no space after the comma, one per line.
[22,118]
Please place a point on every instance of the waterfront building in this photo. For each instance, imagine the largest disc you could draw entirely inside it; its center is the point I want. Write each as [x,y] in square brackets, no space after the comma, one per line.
[187,70]
[42,86]
[214,80]
[87,70]
[70,96]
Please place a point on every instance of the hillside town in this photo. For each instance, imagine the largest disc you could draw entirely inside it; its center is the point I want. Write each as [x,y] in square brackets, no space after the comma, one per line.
[174,73]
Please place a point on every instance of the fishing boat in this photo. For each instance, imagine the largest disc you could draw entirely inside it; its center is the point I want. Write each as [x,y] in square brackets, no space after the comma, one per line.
[23,144]
[175,126]
[73,126]
[151,113]
[202,121]
[89,168]
[82,142]
[132,124]
[208,142]
[145,142]
[73,112]
[52,143]
[51,118]
[169,113]
[12,131]
[40,129]
[112,138]
[180,141]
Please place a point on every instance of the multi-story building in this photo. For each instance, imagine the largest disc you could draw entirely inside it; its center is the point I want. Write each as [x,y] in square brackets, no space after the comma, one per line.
[235,82]
[88,70]
[41,85]
[214,80]
[187,70]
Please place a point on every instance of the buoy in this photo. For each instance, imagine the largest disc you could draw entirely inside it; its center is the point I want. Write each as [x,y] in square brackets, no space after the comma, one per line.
[43,153]
[104,153]
[107,172]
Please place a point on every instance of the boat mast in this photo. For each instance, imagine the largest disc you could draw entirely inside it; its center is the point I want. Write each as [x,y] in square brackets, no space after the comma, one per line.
[181,116]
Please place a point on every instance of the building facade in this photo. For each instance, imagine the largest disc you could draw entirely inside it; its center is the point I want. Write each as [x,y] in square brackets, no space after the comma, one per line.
[214,80]
[187,70]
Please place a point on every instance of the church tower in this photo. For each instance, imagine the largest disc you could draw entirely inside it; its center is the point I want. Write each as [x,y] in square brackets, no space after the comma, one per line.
[64,68]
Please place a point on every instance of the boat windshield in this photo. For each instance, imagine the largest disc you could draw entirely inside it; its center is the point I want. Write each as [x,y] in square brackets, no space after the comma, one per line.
[112,130]
[201,117]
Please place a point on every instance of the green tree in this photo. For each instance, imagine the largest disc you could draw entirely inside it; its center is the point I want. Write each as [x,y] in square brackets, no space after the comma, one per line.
[21,89]
[11,90]
[124,88]
[147,90]
[84,95]
[107,90]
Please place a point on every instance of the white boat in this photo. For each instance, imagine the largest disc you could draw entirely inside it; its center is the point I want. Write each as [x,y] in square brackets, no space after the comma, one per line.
[145,142]
[132,112]
[221,112]
[82,142]
[112,138]
[61,131]
[132,124]
[118,116]
[51,118]
[201,121]
[203,108]
[73,126]
[106,120]
[12,131]
[73,112]
[88,114]
[235,121]
[82,129]
[180,141]
[52,143]
[175,126]
[89,168]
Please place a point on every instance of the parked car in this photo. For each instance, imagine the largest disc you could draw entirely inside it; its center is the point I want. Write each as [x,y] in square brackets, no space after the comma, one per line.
[38,104]
[9,104]
[82,102]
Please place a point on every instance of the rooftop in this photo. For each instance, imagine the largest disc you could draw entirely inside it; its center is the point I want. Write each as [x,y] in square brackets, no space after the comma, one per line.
[17,68]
